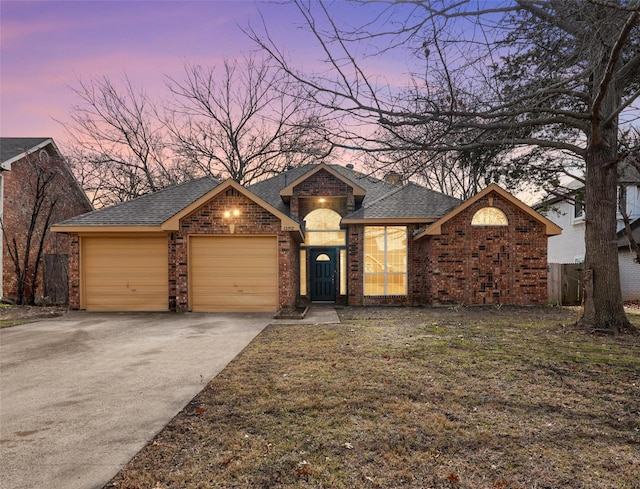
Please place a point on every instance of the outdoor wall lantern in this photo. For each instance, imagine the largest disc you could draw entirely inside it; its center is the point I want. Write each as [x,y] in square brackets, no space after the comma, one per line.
[229,215]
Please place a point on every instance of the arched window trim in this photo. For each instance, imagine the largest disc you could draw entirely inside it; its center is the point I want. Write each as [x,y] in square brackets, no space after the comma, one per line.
[489,216]
[330,234]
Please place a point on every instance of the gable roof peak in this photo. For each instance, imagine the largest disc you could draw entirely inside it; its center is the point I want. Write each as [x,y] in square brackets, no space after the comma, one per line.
[287,191]
[434,229]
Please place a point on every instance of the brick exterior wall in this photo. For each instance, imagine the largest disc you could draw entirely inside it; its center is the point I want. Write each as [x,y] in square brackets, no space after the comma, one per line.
[465,264]
[321,184]
[478,265]
[74,271]
[208,219]
[19,189]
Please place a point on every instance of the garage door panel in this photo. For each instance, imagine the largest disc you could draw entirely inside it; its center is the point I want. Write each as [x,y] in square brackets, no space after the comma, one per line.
[239,303]
[125,273]
[233,273]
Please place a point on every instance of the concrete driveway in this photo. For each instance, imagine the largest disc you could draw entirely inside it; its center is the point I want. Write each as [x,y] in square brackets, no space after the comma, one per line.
[80,395]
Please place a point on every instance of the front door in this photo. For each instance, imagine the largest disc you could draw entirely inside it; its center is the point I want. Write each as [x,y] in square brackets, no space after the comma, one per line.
[323,275]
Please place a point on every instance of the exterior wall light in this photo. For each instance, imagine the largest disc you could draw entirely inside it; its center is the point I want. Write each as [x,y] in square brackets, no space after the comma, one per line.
[228,214]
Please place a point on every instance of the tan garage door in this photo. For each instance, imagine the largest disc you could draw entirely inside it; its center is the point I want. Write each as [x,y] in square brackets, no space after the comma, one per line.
[229,274]
[125,273]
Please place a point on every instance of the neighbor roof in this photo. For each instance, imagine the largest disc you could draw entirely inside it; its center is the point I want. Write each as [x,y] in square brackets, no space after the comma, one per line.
[13,149]
[147,210]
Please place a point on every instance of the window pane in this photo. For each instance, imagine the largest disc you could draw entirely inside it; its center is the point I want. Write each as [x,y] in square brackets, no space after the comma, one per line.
[396,284]
[374,249]
[325,238]
[321,219]
[373,284]
[385,260]
[396,249]
[303,272]
[489,216]
[322,228]
[343,272]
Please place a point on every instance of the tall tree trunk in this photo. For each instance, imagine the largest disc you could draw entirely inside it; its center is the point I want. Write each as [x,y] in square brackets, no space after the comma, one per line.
[603,306]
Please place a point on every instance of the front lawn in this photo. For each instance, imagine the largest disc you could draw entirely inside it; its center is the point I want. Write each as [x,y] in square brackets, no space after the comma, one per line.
[412,398]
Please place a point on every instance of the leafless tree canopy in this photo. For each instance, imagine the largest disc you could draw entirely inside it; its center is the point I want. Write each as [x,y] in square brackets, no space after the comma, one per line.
[246,120]
[119,148]
[545,84]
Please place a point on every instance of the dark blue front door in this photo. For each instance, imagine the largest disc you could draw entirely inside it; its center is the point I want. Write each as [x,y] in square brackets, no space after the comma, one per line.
[323,275]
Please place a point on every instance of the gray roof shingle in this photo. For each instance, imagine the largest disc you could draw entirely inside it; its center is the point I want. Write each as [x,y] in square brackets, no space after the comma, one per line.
[148,210]
[382,200]
[410,201]
[269,190]
[10,148]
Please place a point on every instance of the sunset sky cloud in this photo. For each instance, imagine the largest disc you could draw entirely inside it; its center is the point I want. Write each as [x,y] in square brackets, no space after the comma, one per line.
[47,46]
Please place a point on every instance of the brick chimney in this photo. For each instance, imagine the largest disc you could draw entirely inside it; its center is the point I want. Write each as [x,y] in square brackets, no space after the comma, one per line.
[394,178]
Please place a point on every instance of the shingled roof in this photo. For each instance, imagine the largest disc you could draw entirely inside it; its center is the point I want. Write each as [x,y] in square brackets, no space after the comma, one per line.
[383,200]
[12,149]
[269,189]
[148,210]
[410,201]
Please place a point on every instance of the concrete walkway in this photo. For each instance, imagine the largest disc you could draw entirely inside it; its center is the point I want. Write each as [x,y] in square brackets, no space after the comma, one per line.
[317,314]
[80,395]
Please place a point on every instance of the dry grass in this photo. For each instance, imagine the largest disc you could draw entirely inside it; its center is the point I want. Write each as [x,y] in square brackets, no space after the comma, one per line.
[412,398]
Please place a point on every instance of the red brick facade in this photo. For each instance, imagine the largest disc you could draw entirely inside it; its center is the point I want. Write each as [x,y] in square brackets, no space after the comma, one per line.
[322,184]
[208,219]
[461,263]
[18,203]
[477,265]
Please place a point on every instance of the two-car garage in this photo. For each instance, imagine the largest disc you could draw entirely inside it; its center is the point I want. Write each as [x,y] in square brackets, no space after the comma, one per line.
[225,273]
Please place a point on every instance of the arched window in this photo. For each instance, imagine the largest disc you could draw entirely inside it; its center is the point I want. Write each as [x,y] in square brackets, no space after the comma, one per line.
[489,216]
[322,228]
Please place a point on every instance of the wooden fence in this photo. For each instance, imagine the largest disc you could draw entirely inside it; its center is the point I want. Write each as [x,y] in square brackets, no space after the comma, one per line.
[565,282]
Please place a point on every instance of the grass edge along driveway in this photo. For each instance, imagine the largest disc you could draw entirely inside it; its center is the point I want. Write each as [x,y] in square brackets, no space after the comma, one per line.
[418,398]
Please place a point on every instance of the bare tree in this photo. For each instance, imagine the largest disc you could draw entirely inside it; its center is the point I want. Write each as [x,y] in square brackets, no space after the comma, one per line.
[25,239]
[534,76]
[246,121]
[118,146]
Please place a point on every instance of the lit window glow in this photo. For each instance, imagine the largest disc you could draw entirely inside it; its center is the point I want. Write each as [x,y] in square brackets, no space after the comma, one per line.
[322,228]
[385,261]
[489,216]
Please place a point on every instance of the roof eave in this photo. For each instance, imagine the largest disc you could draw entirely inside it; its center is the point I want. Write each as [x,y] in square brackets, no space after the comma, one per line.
[551,228]
[106,229]
[388,220]
[287,192]
[287,224]
[6,165]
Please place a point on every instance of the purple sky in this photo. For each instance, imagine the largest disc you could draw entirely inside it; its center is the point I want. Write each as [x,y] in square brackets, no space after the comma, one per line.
[48,45]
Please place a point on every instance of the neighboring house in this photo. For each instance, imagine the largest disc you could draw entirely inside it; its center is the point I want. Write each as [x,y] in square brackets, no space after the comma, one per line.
[318,233]
[20,160]
[569,247]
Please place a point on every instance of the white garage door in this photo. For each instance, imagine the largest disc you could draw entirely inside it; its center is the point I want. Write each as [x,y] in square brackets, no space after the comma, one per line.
[233,273]
[124,273]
